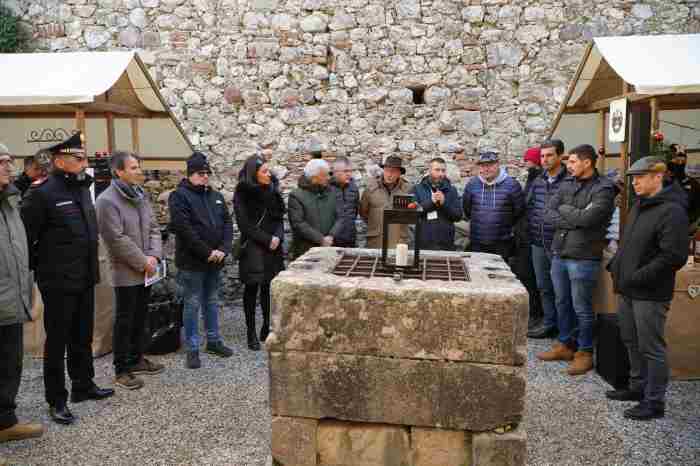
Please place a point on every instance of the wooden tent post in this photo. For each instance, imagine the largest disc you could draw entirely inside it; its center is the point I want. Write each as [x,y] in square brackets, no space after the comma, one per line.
[654,104]
[624,161]
[135,139]
[110,132]
[80,125]
[601,137]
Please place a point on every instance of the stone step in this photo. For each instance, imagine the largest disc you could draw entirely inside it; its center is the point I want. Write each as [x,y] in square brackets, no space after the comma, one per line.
[450,395]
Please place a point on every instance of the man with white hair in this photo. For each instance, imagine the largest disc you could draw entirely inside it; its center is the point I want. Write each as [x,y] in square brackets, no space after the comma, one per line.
[312,210]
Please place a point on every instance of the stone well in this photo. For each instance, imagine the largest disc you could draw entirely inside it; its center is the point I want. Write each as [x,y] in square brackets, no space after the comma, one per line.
[371,371]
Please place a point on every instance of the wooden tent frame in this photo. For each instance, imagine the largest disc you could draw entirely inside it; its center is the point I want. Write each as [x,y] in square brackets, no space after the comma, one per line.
[103,108]
[655,102]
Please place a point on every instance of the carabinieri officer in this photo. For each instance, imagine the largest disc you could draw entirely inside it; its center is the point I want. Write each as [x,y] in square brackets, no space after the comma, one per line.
[59,216]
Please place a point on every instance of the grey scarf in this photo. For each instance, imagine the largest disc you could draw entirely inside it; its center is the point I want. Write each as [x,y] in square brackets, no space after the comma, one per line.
[133,193]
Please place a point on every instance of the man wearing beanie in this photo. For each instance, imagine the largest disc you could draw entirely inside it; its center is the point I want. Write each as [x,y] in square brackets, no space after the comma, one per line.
[653,248]
[203,236]
[522,260]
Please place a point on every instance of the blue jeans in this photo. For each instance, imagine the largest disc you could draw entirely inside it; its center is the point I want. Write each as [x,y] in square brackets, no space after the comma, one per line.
[574,281]
[200,290]
[542,263]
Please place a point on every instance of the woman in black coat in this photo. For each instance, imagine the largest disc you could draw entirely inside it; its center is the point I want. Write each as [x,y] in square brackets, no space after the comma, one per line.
[259,210]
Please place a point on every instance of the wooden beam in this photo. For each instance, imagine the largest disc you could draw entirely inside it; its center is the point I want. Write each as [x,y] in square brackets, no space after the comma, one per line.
[601,137]
[121,109]
[624,156]
[135,136]
[68,115]
[110,132]
[572,86]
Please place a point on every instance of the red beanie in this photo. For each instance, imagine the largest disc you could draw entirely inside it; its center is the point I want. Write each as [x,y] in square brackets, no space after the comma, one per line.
[533,155]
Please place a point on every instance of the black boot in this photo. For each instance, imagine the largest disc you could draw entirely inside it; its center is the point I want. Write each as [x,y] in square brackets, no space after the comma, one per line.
[249,309]
[265,305]
[645,411]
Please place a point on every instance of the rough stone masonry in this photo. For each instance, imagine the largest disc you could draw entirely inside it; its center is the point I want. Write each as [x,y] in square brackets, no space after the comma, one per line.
[374,372]
[361,78]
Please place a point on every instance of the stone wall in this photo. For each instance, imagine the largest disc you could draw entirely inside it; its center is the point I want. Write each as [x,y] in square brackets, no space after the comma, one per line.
[361,78]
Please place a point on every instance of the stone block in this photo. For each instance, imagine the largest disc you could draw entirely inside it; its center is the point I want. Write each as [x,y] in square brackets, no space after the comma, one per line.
[482,320]
[349,443]
[491,449]
[294,441]
[461,396]
[438,447]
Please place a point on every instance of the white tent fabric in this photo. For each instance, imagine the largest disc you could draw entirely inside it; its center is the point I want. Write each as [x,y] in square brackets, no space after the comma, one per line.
[62,78]
[663,64]
[39,93]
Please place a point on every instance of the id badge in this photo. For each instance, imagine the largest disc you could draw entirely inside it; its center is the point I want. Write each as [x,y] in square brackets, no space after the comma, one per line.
[432,215]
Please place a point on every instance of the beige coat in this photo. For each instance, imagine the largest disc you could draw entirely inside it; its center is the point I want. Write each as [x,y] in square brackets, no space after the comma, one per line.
[372,204]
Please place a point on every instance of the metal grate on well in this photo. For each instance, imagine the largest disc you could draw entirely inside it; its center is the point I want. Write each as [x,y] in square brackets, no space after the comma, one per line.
[432,268]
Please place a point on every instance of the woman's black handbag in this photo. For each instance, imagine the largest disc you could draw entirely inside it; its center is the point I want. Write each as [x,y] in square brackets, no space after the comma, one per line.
[239,246]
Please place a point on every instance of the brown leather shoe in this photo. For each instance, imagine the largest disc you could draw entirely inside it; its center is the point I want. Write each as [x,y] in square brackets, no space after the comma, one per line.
[582,363]
[21,432]
[559,352]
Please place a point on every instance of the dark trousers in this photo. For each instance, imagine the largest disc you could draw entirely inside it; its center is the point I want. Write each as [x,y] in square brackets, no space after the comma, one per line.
[344,243]
[523,269]
[69,320]
[501,248]
[10,372]
[129,338]
[642,325]
[250,297]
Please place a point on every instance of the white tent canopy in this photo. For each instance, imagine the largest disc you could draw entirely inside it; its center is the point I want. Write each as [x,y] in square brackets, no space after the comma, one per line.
[662,71]
[109,95]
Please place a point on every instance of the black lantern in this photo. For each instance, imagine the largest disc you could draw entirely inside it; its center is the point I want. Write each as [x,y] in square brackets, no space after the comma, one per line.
[404,211]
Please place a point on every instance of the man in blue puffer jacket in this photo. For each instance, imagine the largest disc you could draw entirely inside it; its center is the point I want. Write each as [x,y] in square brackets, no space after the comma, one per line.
[493,202]
[440,201]
[541,233]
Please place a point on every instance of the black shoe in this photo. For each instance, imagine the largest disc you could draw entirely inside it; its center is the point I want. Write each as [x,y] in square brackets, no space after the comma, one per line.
[60,414]
[219,349]
[193,361]
[253,344]
[534,322]
[264,332]
[543,332]
[645,411]
[93,393]
[624,395]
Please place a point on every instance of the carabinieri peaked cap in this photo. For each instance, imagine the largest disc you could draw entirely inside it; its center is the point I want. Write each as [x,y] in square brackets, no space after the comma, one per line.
[71,145]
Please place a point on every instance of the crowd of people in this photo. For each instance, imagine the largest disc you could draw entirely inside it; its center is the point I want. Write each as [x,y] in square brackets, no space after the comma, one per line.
[552,232]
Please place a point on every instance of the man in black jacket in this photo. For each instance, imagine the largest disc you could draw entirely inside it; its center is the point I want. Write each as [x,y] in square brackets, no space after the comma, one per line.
[203,238]
[580,211]
[61,225]
[441,205]
[654,247]
[347,202]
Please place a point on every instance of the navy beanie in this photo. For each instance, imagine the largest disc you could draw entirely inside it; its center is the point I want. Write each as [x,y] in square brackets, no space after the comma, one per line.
[197,163]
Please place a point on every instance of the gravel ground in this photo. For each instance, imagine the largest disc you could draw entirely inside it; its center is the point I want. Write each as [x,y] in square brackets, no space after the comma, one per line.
[219,415]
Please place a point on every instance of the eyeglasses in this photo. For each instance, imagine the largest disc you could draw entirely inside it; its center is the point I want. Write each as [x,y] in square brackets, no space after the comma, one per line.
[202,173]
[7,162]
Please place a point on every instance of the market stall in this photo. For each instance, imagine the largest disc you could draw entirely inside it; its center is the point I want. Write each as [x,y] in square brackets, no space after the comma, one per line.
[617,100]
[111,98]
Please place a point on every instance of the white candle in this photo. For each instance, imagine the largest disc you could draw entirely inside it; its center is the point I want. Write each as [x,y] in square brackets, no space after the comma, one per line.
[402,254]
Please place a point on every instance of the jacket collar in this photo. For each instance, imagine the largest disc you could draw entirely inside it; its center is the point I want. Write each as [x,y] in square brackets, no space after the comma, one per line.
[9,192]
[71,179]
